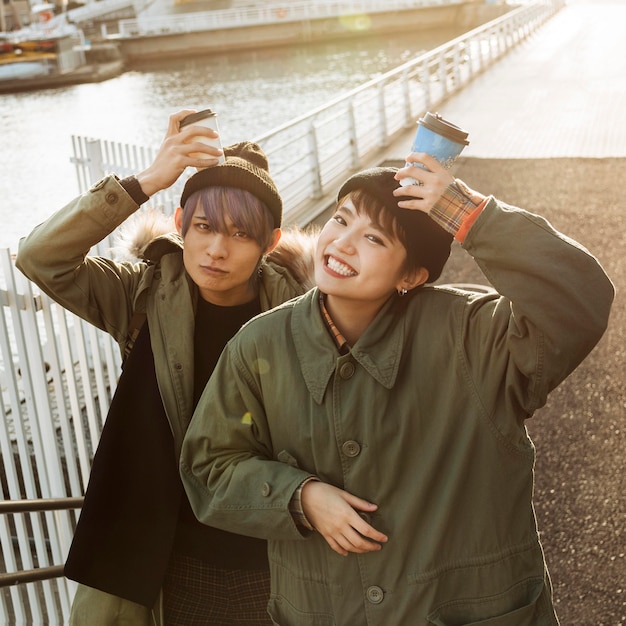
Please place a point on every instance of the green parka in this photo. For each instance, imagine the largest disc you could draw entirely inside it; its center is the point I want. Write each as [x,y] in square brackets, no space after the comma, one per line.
[106,293]
[424,417]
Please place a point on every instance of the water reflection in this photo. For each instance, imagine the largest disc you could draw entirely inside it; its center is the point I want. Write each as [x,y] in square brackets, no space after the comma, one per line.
[252,91]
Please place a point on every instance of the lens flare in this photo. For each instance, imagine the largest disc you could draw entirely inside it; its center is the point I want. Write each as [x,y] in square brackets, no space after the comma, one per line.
[261,366]
[356,22]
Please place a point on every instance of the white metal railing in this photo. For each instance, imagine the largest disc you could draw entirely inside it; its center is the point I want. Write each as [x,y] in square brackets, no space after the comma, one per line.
[309,154]
[56,389]
[58,373]
[266,13]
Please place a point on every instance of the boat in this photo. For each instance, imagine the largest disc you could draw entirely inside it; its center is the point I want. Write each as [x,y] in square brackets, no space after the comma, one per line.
[51,52]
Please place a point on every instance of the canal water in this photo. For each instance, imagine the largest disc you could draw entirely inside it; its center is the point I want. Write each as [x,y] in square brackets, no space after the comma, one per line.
[253,92]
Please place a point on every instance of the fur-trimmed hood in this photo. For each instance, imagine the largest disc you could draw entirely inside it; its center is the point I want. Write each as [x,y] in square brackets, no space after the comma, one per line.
[149,234]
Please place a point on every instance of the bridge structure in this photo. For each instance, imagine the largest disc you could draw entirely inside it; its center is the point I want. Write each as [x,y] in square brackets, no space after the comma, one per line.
[128,19]
[152,36]
[551,87]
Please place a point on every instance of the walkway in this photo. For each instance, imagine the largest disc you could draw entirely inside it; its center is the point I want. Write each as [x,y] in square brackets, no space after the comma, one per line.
[561,92]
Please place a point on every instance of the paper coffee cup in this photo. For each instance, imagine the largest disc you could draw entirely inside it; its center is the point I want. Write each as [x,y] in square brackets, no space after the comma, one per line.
[439,138]
[208,119]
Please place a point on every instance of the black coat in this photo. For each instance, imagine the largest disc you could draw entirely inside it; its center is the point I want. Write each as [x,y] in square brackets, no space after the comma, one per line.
[127,526]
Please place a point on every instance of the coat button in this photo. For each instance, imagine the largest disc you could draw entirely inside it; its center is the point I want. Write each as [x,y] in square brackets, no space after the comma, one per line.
[266,489]
[346,371]
[111,198]
[351,448]
[375,594]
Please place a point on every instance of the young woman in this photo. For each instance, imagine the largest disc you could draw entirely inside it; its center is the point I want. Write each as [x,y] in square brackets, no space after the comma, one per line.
[373,429]
[194,288]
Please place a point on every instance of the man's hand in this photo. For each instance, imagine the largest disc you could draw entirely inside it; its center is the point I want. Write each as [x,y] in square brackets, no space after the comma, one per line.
[174,154]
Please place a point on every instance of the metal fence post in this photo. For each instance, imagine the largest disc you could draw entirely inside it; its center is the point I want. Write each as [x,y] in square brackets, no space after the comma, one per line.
[443,74]
[95,163]
[425,79]
[382,115]
[316,174]
[352,134]
[457,67]
[406,95]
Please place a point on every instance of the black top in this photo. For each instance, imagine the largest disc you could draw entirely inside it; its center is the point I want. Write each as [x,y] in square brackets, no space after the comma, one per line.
[215,325]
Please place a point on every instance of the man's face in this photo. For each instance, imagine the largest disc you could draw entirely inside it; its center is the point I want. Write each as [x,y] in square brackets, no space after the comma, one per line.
[221,264]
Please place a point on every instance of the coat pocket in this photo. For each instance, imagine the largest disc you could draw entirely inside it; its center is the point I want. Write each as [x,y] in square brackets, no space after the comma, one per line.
[284,614]
[525,604]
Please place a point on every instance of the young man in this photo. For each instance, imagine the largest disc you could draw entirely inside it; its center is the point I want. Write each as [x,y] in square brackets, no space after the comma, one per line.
[136,534]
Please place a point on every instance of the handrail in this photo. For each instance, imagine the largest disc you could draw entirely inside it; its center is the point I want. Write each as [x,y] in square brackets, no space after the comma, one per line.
[384,102]
[493,25]
[42,504]
[8,507]
[311,153]
[31,575]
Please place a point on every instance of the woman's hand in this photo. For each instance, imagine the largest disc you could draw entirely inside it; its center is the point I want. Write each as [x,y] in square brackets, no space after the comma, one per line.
[174,155]
[334,513]
[431,182]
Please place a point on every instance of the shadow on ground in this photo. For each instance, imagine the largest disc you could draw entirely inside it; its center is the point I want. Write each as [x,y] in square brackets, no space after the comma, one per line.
[580,433]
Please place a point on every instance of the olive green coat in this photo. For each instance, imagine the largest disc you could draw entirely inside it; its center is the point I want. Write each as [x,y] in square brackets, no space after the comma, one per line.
[424,417]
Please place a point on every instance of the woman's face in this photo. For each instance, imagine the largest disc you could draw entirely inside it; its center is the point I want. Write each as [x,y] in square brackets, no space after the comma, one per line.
[357,261]
[221,264]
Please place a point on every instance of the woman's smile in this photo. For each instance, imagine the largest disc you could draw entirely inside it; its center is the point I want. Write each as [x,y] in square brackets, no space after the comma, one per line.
[339,267]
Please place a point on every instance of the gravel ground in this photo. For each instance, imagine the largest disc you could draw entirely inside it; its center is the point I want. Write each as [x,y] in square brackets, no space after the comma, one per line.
[579,434]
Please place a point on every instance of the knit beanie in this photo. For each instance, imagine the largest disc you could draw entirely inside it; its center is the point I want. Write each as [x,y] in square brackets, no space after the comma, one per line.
[426,241]
[246,167]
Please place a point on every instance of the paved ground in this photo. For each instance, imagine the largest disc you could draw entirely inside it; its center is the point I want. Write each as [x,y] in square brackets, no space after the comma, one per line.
[561,92]
[579,435]
[548,133]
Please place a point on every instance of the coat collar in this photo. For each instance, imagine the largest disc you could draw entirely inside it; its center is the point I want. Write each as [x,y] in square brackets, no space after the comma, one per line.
[378,351]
